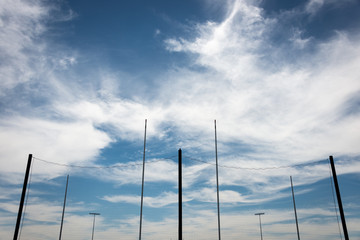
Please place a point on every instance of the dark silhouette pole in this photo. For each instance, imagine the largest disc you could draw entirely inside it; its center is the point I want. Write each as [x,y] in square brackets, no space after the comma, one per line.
[341,210]
[93,213]
[259,214]
[180,195]
[296,219]
[63,212]
[21,205]
[142,185]
[217,183]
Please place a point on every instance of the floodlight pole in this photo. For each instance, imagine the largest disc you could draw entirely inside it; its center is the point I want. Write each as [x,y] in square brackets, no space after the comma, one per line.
[341,210]
[92,236]
[259,214]
[21,205]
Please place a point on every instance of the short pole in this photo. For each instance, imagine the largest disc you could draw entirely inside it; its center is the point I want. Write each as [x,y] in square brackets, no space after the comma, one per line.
[92,236]
[259,214]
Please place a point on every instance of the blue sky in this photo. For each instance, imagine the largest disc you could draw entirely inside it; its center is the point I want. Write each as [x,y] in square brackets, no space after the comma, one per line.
[79,78]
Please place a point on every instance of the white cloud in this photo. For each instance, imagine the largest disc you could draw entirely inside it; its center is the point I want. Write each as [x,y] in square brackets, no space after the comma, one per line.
[124,117]
[21,24]
[284,108]
[298,40]
[62,142]
[67,61]
[313,6]
[162,200]
[157,32]
[24,49]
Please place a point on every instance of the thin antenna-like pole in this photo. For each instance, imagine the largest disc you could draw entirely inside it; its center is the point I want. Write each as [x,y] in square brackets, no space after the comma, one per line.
[341,210]
[142,182]
[63,212]
[217,182]
[180,195]
[296,219]
[21,205]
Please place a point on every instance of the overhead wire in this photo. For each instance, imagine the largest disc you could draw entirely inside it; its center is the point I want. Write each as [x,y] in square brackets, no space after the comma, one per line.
[262,168]
[172,158]
[125,165]
[121,165]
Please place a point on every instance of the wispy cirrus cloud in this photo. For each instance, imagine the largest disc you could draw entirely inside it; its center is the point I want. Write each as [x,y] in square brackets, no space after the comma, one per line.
[22,45]
[272,102]
[313,6]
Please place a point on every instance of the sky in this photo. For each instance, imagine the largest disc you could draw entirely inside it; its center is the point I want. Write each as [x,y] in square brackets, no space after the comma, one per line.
[78,79]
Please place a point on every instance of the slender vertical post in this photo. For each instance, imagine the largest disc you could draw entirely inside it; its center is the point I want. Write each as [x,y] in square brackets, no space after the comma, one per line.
[180,194]
[259,214]
[296,219]
[217,182]
[21,205]
[341,210]
[142,182]
[63,212]
[92,236]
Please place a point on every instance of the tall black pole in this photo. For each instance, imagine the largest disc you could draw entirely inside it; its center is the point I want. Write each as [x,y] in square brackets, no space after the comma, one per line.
[217,183]
[142,182]
[296,219]
[63,212]
[341,210]
[22,197]
[180,195]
